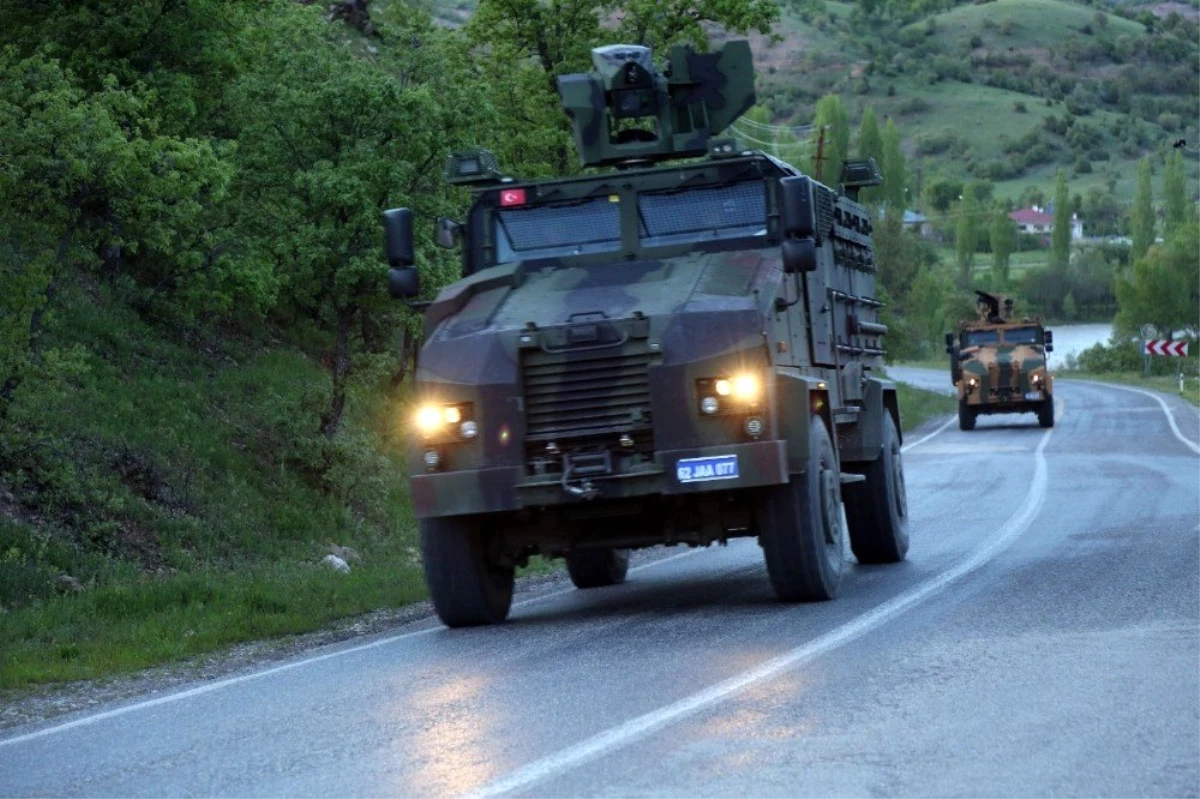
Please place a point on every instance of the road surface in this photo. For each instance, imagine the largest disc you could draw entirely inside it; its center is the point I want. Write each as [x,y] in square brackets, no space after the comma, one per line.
[1042,639]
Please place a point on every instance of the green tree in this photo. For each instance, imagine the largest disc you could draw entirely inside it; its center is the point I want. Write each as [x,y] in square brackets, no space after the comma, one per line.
[1163,287]
[1175,192]
[830,119]
[966,237]
[327,142]
[870,145]
[1060,236]
[86,184]
[1003,234]
[1142,215]
[895,173]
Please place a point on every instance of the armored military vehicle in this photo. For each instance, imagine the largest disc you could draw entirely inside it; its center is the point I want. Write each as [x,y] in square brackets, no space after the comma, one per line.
[998,363]
[678,346]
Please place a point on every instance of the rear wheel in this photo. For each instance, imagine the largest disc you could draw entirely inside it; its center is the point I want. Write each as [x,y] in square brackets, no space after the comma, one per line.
[966,416]
[877,509]
[465,583]
[800,528]
[596,568]
[1045,413]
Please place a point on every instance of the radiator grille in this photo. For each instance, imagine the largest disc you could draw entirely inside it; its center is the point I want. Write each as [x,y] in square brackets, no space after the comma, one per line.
[585,395]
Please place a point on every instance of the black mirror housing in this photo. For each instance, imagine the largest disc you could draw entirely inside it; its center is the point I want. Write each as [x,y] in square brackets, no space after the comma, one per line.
[799,255]
[398,235]
[447,233]
[403,282]
[1049,347]
[1048,336]
[798,209]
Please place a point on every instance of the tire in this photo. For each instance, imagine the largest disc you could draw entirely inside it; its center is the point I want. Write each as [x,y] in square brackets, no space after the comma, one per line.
[1045,413]
[877,510]
[597,568]
[800,529]
[466,587]
[966,416]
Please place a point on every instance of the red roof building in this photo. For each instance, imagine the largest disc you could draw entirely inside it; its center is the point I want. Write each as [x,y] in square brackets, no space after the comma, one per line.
[1037,220]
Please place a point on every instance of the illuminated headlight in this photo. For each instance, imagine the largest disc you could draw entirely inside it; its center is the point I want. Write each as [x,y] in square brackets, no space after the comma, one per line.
[710,405]
[754,426]
[1036,379]
[740,389]
[436,420]
[432,458]
[972,384]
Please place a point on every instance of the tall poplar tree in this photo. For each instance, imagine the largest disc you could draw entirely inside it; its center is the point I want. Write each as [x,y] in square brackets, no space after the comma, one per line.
[1174,193]
[870,145]
[1060,237]
[1142,216]
[895,174]
[1002,235]
[830,118]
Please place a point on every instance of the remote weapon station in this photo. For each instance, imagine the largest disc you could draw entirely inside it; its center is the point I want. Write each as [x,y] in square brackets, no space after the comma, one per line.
[677,347]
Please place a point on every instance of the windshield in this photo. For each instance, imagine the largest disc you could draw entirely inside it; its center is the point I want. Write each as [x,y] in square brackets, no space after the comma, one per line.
[981,338]
[702,214]
[1022,335]
[545,231]
[665,218]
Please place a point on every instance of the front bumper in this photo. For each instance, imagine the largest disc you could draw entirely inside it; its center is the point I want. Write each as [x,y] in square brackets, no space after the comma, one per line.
[509,488]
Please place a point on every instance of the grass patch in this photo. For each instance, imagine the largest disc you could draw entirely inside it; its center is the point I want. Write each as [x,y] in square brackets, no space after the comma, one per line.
[1164,383]
[126,626]
[918,406]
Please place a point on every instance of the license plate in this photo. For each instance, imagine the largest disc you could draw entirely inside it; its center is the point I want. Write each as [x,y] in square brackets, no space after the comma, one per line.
[1033,395]
[697,470]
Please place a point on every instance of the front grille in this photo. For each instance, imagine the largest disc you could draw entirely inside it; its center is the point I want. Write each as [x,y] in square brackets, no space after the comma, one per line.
[585,395]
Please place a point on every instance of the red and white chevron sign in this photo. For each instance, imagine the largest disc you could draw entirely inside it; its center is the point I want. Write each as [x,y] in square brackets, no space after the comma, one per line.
[1161,347]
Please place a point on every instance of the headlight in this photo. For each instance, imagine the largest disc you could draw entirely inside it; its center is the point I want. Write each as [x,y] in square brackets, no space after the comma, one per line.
[728,394]
[971,383]
[435,420]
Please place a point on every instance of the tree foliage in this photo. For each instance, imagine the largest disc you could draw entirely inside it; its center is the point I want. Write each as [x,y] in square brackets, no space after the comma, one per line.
[1163,287]
[1142,215]
[1060,237]
[833,131]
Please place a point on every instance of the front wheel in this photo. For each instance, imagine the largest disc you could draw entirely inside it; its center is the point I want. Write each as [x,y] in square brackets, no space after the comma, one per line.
[1045,413]
[800,526]
[966,416]
[597,568]
[877,509]
[466,585]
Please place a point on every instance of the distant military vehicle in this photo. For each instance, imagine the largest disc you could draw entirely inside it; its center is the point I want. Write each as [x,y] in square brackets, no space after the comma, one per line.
[652,353]
[998,363]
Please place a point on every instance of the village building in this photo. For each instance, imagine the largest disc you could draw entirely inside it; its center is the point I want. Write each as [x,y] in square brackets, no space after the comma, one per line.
[1039,220]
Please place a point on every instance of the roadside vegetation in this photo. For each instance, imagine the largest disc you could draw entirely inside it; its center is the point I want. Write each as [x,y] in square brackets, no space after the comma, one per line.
[203,388]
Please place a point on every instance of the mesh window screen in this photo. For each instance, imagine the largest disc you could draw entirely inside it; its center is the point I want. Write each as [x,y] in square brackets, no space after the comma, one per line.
[545,227]
[730,208]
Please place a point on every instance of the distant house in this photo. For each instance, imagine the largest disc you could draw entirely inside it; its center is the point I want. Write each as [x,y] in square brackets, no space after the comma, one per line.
[1039,221]
[915,220]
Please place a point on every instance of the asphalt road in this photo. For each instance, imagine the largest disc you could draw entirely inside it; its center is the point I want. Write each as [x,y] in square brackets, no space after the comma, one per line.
[1043,639]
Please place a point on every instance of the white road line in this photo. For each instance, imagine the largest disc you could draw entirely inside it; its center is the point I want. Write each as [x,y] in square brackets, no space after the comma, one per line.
[225,683]
[1165,409]
[229,681]
[638,728]
[922,440]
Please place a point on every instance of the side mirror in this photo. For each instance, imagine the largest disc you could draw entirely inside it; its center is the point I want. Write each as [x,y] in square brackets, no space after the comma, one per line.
[949,342]
[447,233]
[1049,347]
[398,234]
[797,207]
[799,255]
[1048,336]
[403,282]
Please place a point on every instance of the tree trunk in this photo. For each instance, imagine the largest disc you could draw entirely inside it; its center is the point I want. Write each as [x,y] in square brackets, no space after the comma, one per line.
[339,370]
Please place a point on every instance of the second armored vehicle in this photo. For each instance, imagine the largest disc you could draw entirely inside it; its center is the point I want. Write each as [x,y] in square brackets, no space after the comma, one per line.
[652,353]
[998,364]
